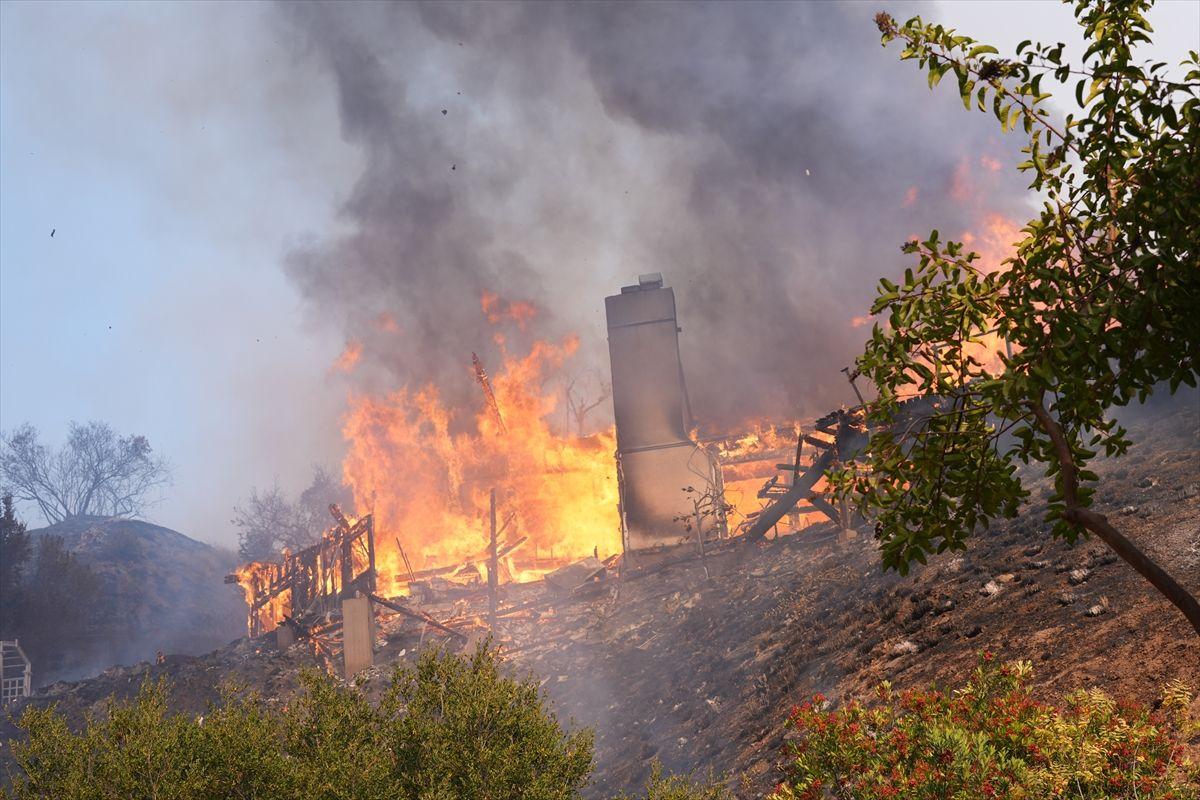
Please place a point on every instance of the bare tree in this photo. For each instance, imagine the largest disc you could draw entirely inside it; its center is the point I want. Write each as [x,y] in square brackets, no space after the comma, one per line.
[268,521]
[313,504]
[97,472]
[578,404]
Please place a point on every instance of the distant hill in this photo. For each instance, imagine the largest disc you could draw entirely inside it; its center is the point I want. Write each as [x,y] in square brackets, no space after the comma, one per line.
[162,589]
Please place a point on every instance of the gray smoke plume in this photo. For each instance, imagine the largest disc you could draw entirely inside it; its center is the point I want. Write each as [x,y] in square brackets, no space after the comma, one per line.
[768,159]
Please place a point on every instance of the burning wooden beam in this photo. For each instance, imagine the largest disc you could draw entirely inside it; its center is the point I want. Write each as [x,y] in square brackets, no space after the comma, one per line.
[310,581]
[800,489]
[488,395]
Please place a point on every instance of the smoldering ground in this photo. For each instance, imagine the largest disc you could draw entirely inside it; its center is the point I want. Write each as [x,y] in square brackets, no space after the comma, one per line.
[767,158]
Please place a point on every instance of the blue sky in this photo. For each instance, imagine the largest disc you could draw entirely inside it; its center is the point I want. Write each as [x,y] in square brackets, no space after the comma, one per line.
[158,304]
[179,151]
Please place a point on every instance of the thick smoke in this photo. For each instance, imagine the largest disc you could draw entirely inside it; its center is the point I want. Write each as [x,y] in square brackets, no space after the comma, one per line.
[768,159]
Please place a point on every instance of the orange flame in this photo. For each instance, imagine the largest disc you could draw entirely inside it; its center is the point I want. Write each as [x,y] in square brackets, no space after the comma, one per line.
[349,357]
[427,473]
[498,310]
[258,574]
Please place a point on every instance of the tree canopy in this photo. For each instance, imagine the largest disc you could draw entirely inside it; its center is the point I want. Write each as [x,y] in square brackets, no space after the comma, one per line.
[1095,309]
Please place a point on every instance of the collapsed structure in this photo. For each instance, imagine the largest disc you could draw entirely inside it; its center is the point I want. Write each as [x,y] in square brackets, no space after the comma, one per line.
[665,475]
[680,496]
[308,583]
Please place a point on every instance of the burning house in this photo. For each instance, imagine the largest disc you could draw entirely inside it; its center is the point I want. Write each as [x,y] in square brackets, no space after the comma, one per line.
[308,583]
[505,506]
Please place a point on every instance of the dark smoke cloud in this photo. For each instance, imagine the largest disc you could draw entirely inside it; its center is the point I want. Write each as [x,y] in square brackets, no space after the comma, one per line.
[759,155]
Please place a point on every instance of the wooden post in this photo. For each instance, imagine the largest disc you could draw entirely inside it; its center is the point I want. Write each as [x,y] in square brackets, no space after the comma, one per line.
[358,635]
[851,376]
[370,533]
[347,563]
[492,567]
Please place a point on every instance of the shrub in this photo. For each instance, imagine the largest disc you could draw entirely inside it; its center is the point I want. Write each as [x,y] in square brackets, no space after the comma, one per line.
[991,739]
[448,728]
[681,787]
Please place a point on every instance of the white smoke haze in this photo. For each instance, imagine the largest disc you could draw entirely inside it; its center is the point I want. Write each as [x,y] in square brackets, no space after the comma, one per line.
[758,155]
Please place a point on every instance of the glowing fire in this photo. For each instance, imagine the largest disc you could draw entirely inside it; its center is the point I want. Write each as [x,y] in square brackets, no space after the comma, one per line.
[751,458]
[348,358]
[498,310]
[759,439]
[258,574]
[427,474]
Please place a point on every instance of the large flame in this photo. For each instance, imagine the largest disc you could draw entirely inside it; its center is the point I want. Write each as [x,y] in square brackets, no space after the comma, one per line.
[427,474]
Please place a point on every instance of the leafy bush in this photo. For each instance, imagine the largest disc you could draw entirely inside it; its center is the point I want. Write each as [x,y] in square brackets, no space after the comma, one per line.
[681,787]
[446,728]
[991,739]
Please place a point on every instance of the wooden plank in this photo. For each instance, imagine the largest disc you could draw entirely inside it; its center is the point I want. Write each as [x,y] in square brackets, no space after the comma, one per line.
[358,635]
[407,566]
[493,566]
[825,507]
[799,490]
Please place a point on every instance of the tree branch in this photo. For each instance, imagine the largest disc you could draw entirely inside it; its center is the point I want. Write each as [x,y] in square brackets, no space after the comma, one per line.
[1098,524]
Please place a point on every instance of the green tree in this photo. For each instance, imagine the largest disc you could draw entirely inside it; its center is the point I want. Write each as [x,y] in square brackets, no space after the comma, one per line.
[447,728]
[1097,307]
[14,553]
[61,603]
